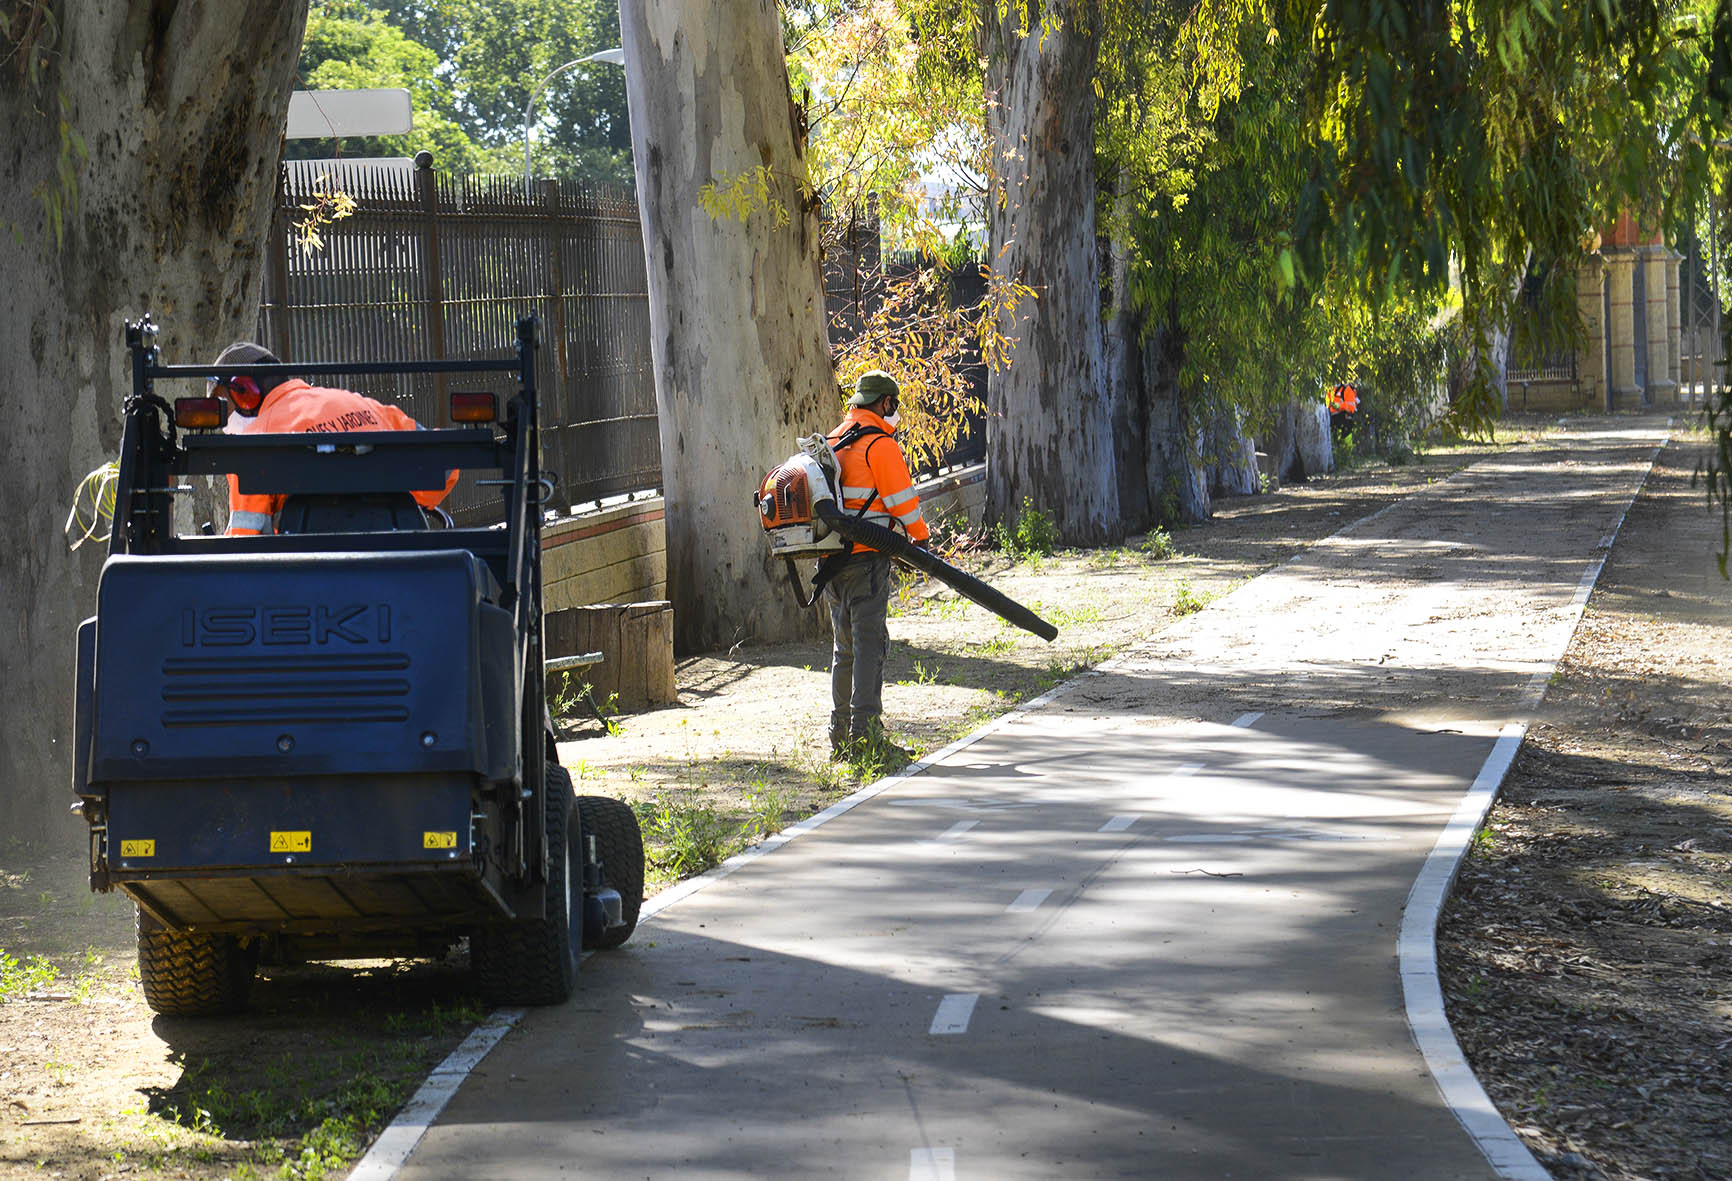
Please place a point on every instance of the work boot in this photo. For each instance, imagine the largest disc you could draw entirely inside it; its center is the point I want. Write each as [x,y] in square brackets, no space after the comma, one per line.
[840,747]
[870,743]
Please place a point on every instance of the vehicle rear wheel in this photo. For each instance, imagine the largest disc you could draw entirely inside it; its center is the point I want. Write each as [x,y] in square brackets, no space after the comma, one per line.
[534,961]
[619,845]
[191,974]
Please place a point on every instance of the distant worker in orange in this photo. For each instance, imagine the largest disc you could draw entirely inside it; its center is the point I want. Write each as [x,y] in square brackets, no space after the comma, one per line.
[1343,404]
[292,406]
[876,487]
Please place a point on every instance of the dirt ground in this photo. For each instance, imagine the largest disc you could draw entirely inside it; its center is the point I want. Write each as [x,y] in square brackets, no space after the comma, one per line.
[1587,949]
[91,1085]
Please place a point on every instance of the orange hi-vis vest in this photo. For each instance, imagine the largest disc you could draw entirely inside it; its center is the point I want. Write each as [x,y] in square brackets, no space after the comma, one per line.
[876,485]
[1343,399]
[294,407]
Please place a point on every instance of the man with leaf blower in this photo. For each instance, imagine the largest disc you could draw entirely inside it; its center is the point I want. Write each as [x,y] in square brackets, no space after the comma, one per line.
[846,498]
[875,487]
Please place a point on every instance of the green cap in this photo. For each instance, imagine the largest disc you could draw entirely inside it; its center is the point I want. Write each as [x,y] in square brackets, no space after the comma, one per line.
[874,385]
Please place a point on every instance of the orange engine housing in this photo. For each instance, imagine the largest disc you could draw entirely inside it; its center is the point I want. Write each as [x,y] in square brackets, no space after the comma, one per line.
[785,496]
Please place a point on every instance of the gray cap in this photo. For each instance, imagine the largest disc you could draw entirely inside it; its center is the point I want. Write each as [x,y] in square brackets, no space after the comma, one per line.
[245,352]
[874,385]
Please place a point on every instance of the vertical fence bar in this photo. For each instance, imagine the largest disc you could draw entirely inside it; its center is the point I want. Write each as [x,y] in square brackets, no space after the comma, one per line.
[280,326]
[433,280]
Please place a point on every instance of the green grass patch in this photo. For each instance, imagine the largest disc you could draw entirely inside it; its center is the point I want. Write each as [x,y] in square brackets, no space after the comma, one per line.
[20,978]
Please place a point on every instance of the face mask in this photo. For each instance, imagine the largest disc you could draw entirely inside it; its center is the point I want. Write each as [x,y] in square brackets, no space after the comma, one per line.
[894,419]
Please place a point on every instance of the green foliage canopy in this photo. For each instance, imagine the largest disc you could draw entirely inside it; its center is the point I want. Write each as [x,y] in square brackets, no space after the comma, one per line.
[470,66]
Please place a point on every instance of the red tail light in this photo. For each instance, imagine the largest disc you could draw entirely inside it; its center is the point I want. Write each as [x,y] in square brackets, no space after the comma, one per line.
[200,414]
[473,407]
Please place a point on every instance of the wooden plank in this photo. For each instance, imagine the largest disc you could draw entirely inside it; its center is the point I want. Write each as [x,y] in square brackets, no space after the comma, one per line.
[637,640]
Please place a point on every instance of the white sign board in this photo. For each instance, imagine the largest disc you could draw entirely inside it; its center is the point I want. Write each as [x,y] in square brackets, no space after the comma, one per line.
[334,114]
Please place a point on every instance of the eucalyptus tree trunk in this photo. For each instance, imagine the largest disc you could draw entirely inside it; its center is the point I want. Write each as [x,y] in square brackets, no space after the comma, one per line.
[1178,484]
[180,112]
[737,332]
[1049,428]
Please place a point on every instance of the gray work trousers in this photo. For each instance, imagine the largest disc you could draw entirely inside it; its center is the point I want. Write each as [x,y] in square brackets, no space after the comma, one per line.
[859,602]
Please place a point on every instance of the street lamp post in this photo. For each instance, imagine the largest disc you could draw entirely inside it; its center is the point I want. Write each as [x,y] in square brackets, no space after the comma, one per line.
[615,57]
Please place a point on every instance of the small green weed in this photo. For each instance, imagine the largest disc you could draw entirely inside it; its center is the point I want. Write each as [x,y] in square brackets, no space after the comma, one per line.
[1187,601]
[924,675]
[572,700]
[766,807]
[1034,535]
[1068,617]
[1158,545]
[20,979]
[684,839]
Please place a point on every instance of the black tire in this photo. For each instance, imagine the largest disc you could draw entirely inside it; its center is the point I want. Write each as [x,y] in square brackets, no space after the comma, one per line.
[189,974]
[534,961]
[619,845]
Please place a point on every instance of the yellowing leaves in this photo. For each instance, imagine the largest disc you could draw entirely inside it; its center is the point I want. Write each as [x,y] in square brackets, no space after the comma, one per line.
[741,196]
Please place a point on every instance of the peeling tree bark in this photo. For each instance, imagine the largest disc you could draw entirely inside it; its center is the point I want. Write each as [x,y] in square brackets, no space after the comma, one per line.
[737,330]
[1049,426]
[182,109]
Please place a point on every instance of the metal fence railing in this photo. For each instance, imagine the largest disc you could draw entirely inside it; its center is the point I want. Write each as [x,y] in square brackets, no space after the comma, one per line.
[431,266]
[437,266]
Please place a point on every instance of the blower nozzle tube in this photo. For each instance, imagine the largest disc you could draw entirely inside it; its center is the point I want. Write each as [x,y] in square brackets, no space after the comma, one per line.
[963,583]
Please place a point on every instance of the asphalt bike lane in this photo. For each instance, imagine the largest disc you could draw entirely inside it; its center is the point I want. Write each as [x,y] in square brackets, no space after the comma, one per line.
[1147,929]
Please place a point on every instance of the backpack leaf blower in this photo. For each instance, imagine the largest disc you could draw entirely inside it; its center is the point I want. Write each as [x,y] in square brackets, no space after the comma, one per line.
[802,516]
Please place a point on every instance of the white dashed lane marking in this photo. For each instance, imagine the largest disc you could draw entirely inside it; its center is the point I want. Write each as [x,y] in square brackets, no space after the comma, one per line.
[932,1164]
[954,1013]
[1118,823]
[1028,900]
[1248,720]
[957,829]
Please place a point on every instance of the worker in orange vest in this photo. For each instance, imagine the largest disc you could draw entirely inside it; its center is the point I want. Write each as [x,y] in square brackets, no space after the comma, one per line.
[292,406]
[876,487]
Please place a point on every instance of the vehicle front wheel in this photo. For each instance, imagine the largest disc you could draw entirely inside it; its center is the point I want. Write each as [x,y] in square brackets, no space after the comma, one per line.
[619,847]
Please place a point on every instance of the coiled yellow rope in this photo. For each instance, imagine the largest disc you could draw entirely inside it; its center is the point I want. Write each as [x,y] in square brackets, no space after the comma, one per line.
[98,489]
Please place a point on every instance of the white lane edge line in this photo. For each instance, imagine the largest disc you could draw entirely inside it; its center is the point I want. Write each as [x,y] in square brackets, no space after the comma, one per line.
[1028,900]
[954,1013]
[1119,823]
[932,1164]
[1422,992]
[1416,946]
[391,1150]
[1246,721]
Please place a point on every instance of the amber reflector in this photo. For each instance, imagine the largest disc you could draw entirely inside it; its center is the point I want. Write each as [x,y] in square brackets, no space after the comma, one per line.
[199,414]
[473,408]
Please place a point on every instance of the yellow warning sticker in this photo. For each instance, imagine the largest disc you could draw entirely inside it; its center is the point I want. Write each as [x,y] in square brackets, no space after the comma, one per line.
[291,842]
[438,840]
[138,848]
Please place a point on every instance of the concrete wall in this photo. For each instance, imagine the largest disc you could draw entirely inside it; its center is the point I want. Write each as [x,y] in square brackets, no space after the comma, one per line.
[619,554]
